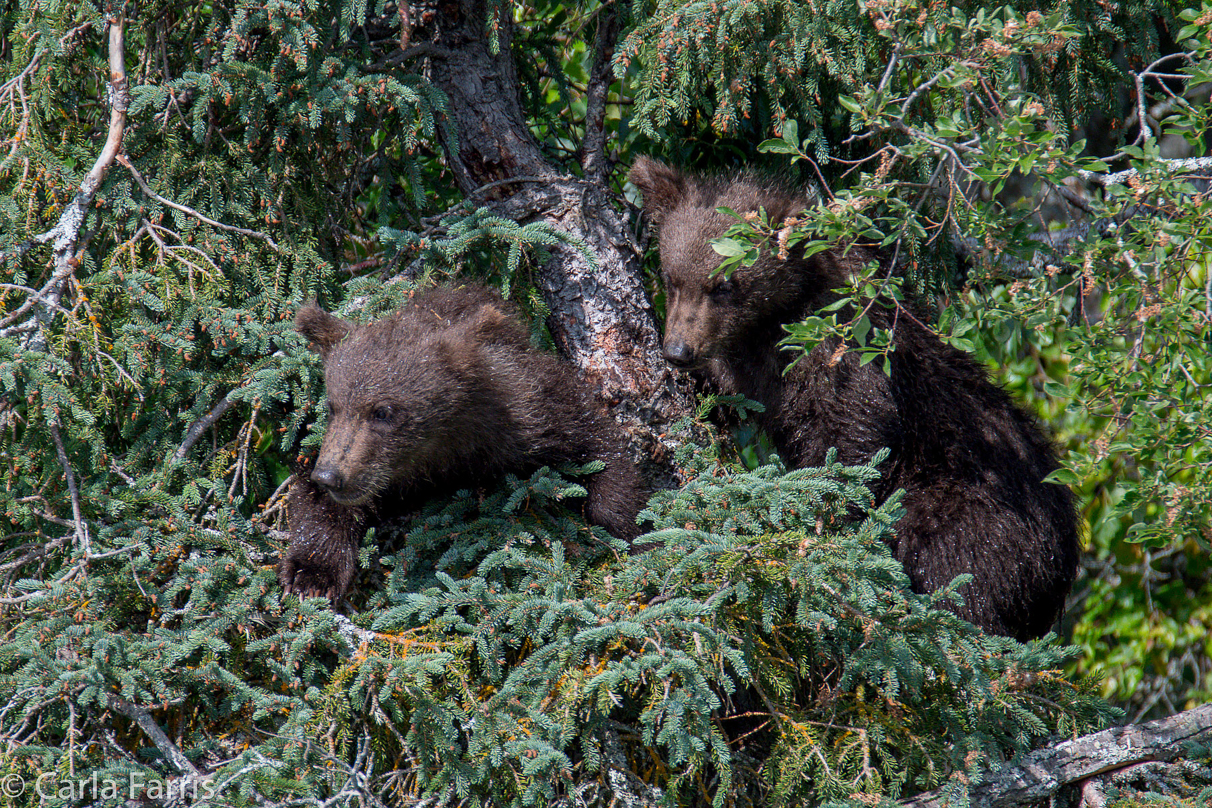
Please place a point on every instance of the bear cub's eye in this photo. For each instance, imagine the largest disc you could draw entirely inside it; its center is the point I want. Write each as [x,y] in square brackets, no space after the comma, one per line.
[383,413]
[722,291]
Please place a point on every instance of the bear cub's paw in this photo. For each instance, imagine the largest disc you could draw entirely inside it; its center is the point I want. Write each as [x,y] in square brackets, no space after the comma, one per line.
[308,574]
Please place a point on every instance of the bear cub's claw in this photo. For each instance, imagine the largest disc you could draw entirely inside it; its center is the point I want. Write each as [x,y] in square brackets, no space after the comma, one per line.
[307,581]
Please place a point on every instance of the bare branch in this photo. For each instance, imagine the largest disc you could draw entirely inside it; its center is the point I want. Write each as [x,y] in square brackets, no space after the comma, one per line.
[190,211]
[593,148]
[1145,132]
[1190,164]
[396,58]
[890,70]
[1072,197]
[1040,774]
[201,425]
[1163,108]
[73,490]
[1142,116]
[926,85]
[66,233]
[142,716]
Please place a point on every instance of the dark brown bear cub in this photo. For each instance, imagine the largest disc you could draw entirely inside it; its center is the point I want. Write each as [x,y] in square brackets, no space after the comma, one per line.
[971,463]
[445,394]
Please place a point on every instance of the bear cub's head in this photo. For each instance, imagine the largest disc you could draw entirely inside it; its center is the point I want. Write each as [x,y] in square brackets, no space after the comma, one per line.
[405,392]
[708,315]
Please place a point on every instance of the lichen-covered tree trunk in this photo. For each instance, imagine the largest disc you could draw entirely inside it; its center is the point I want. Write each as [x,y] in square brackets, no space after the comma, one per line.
[601,317]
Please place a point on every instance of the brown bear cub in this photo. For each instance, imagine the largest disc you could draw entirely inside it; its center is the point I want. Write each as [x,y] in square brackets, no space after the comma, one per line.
[445,394]
[971,462]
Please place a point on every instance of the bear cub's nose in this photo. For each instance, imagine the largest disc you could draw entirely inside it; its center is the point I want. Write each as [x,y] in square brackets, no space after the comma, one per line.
[678,353]
[328,478]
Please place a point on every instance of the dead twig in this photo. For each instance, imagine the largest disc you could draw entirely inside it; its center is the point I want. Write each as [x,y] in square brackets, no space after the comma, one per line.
[121,158]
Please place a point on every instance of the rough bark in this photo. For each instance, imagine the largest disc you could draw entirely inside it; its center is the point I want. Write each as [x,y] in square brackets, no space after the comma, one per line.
[1042,773]
[601,318]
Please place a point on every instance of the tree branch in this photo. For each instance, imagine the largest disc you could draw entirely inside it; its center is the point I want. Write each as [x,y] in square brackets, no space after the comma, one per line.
[142,716]
[66,233]
[73,490]
[201,425]
[1173,166]
[1040,774]
[593,148]
[121,158]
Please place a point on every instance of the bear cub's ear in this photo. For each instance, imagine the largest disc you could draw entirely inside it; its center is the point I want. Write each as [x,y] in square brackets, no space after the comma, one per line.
[491,324]
[663,187]
[463,341]
[324,330]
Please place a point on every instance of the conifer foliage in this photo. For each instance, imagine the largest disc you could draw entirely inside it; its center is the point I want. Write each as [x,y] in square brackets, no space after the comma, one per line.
[154,404]
[1041,170]
[767,651]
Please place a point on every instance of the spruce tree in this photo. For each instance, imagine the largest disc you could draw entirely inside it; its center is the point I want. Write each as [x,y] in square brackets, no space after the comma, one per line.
[176,178]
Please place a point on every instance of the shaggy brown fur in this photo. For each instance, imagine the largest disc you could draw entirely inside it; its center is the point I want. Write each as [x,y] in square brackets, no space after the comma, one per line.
[445,394]
[970,461]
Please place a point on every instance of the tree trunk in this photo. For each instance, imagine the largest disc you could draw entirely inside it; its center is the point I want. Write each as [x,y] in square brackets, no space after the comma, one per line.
[1039,775]
[601,318]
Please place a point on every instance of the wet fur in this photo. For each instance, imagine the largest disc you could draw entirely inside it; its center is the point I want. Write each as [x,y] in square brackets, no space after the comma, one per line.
[971,461]
[446,393]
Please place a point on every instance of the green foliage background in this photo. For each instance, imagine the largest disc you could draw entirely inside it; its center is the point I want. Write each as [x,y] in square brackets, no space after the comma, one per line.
[502,657]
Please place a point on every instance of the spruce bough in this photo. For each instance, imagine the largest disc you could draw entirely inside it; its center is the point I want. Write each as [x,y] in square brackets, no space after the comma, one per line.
[766,651]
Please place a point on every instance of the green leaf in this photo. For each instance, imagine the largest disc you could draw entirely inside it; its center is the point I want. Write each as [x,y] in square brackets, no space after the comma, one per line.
[860,330]
[791,131]
[1057,389]
[840,303]
[777,146]
[1064,477]
[849,103]
[729,247]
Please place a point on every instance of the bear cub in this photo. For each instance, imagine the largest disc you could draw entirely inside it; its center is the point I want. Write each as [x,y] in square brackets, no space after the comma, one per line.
[971,462]
[445,394]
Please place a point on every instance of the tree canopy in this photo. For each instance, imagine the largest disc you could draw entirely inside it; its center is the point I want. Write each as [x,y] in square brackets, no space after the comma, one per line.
[177,178]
